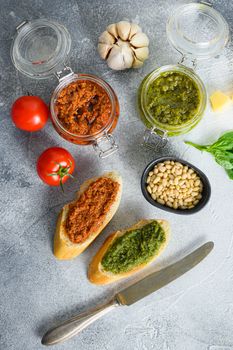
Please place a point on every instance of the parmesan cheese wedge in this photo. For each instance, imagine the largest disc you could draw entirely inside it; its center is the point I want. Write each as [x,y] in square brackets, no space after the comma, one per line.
[219,100]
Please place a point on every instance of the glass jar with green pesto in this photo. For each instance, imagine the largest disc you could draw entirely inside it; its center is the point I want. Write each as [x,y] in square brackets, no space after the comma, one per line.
[172,99]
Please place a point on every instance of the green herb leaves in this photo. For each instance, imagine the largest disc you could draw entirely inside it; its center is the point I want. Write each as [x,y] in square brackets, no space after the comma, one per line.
[224,143]
[230,173]
[222,150]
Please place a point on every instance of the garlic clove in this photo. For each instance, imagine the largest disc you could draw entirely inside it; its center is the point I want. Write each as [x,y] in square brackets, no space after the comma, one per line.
[103,50]
[112,29]
[128,57]
[120,57]
[106,38]
[141,53]
[139,40]
[123,43]
[134,29]
[123,29]
[115,59]
[137,63]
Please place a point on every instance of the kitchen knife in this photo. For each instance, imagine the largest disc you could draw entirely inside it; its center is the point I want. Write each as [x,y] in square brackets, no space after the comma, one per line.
[127,296]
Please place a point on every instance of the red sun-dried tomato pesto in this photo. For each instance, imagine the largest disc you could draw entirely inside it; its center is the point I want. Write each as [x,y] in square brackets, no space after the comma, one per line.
[89,211]
[83,107]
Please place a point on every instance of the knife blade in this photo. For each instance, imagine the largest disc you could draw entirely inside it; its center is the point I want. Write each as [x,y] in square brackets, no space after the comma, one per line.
[127,296]
[161,278]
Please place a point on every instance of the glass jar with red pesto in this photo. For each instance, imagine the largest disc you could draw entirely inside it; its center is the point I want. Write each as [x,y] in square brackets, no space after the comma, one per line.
[84,108]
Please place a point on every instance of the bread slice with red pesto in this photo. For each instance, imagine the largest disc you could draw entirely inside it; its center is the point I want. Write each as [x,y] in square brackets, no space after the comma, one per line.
[96,272]
[64,248]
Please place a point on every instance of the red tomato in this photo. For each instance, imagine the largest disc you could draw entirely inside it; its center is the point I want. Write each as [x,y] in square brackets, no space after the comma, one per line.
[29,113]
[55,165]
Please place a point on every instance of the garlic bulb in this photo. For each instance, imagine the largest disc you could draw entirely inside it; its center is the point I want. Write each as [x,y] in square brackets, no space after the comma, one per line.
[123,45]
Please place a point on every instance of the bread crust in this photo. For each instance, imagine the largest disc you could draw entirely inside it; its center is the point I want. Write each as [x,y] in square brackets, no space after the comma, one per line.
[64,249]
[97,275]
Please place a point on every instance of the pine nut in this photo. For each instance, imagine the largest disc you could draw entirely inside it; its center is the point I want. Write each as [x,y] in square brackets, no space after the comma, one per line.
[189,199]
[194,194]
[161,201]
[156,180]
[160,188]
[162,169]
[160,174]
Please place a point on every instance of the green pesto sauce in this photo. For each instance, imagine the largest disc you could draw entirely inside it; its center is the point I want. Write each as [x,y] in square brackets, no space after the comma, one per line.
[173,98]
[134,248]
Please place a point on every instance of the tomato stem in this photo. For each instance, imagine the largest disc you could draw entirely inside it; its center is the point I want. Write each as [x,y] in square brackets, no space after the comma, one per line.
[62,172]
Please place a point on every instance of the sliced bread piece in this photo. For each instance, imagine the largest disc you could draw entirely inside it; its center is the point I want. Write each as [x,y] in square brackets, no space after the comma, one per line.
[96,272]
[64,248]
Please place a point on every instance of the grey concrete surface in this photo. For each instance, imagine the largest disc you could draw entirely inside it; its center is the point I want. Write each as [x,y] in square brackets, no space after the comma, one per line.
[37,291]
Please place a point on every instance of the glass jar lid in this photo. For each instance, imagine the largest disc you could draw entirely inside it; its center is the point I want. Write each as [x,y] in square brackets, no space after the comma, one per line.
[40,48]
[197,30]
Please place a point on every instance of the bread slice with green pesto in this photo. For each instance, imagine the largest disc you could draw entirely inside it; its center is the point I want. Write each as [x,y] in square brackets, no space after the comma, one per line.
[128,251]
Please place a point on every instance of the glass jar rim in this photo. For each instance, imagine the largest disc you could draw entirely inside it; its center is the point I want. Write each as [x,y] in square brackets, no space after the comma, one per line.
[75,77]
[152,77]
[43,68]
[194,46]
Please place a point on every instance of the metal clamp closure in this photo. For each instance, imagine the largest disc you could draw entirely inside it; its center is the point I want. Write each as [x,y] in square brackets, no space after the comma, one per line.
[155,138]
[105,145]
[206,3]
[21,25]
[185,59]
[64,73]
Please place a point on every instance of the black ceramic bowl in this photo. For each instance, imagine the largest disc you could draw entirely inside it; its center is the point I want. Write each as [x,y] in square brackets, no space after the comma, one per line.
[205,193]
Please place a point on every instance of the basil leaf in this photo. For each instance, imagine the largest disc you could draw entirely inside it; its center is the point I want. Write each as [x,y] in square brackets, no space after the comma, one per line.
[225,159]
[200,147]
[230,173]
[222,150]
[225,142]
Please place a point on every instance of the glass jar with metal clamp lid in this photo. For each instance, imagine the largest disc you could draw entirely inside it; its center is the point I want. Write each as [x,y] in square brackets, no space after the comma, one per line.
[172,98]
[84,108]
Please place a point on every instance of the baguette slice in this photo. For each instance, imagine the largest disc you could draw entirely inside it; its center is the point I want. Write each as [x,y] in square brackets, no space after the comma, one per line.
[64,248]
[96,273]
